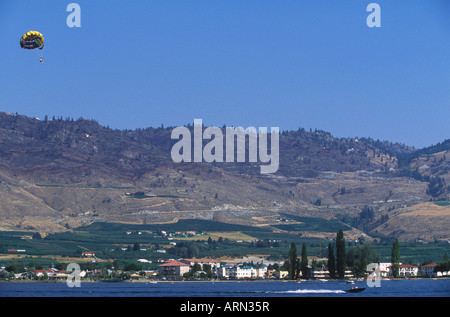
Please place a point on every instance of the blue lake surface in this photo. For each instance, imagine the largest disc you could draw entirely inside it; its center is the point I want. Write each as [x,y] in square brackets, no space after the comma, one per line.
[261,289]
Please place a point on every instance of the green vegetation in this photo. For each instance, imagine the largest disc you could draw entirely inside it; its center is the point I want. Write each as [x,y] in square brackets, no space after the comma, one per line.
[313,224]
[364,221]
[331,263]
[126,243]
[444,265]
[413,252]
[141,195]
[395,257]
[292,264]
[436,186]
[182,225]
[358,257]
[340,254]
[404,159]
[304,261]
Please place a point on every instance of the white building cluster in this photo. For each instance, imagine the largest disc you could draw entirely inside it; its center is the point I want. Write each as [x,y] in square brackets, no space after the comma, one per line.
[176,268]
[241,272]
[408,270]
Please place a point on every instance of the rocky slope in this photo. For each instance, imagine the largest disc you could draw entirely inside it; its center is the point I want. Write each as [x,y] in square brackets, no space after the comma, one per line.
[58,174]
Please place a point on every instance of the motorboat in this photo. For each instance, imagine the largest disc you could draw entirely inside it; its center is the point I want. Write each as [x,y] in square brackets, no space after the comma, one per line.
[356,290]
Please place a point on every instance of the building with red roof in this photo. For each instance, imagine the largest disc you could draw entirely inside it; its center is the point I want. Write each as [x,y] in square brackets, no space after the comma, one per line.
[173,268]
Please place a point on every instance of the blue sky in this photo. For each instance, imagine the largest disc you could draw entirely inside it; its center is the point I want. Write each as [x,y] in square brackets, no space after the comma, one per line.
[262,63]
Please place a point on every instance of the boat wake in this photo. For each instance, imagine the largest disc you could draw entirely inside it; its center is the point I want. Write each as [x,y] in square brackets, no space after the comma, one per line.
[314,291]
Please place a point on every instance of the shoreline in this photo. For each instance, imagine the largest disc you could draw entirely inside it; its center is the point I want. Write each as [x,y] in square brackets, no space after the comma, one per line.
[151,281]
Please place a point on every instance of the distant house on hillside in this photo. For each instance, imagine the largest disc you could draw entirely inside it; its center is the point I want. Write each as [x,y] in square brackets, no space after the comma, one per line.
[88,254]
[16,250]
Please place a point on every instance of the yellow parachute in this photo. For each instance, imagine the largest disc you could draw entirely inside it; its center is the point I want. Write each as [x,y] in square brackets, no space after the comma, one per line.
[32,40]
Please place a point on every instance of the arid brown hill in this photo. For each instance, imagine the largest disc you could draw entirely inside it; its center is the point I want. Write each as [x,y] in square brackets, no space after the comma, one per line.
[60,173]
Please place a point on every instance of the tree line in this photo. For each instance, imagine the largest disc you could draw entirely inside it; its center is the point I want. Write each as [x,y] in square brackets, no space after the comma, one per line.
[339,259]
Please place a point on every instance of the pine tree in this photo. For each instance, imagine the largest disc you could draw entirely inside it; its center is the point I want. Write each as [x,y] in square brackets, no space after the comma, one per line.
[293,261]
[297,268]
[395,258]
[304,261]
[331,261]
[340,254]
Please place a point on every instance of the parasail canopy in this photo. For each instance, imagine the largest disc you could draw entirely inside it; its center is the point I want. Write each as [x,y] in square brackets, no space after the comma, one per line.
[32,40]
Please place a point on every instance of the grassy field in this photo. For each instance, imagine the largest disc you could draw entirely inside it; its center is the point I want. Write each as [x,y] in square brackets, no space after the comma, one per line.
[182,225]
[230,235]
[313,224]
[443,203]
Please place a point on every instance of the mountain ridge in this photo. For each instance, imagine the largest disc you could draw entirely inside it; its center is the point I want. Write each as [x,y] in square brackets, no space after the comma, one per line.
[71,172]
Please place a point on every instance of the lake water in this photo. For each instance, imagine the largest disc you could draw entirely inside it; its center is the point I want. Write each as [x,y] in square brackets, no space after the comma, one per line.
[260,289]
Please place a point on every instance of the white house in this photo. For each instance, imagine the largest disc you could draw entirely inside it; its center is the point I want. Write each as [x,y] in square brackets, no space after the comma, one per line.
[428,270]
[408,270]
[88,254]
[261,272]
[384,268]
[241,272]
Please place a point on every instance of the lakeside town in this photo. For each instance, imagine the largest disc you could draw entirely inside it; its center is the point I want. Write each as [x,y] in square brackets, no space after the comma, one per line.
[294,266]
[210,269]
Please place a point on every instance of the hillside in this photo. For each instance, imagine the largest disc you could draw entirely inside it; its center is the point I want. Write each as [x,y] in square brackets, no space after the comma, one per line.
[59,174]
